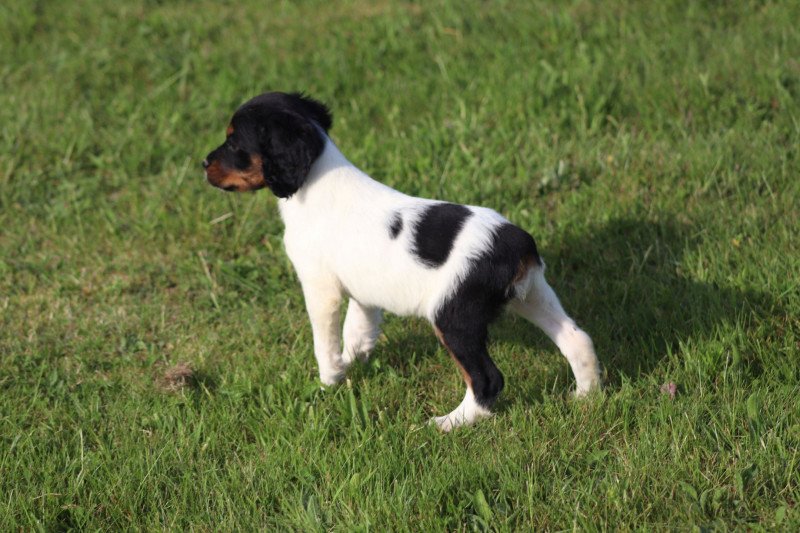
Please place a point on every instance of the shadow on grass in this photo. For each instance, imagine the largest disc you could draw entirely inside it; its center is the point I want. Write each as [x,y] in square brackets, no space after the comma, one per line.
[624,282]
[409,341]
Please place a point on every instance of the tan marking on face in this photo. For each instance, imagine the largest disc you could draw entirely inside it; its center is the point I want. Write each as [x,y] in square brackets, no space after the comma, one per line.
[229,130]
[467,378]
[250,179]
[215,174]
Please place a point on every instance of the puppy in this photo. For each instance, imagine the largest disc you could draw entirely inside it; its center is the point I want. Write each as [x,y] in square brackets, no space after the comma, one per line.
[348,235]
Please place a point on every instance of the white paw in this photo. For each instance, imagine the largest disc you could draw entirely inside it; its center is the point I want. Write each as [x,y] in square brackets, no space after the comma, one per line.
[330,378]
[348,357]
[585,389]
[468,412]
[351,354]
[446,423]
[449,422]
[358,346]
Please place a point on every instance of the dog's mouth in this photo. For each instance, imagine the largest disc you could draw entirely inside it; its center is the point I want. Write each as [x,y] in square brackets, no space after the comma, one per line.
[214,179]
[234,181]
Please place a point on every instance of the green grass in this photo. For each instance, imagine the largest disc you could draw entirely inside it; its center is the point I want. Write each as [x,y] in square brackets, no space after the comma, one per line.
[651,148]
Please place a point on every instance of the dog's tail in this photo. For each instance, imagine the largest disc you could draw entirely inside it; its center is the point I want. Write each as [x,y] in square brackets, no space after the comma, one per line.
[530,273]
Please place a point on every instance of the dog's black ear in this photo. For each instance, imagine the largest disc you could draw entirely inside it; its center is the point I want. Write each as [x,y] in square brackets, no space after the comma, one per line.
[290,144]
[318,111]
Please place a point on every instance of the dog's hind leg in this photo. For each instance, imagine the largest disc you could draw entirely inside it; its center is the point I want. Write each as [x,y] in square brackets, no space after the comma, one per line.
[466,343]
[361,330]
[539,304]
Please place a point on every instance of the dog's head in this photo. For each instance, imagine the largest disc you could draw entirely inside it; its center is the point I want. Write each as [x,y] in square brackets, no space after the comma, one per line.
[271,141]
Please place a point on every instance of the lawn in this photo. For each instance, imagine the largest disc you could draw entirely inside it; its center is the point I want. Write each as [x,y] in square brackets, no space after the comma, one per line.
[156,365]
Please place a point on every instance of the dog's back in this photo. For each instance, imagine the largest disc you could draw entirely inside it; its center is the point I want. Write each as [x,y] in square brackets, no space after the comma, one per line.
[390,250]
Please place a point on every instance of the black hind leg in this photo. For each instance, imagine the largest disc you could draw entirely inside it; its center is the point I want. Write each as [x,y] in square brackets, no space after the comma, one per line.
[465,340]
[499,273]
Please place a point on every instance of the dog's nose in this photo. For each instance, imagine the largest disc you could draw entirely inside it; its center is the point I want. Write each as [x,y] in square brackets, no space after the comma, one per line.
[206,164]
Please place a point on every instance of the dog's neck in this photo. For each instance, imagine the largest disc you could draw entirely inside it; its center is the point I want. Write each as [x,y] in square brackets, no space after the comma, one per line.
[330,162]
[332,182]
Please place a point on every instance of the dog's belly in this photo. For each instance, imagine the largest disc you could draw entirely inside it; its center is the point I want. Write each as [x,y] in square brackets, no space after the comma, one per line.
[388,275]
[396,284]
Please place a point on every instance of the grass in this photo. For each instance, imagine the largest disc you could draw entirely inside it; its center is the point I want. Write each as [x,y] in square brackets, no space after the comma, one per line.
[156,367]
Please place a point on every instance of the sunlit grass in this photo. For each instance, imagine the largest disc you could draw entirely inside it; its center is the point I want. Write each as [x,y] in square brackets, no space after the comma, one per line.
[651,149]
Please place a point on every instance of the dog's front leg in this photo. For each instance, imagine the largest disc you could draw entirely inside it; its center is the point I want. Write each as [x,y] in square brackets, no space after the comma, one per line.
[323,297]
[362,326]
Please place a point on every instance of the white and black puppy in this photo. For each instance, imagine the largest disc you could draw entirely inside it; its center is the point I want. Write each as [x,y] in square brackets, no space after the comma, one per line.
[348,235]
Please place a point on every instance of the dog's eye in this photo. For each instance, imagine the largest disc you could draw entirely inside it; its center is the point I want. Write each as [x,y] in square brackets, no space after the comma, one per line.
[241,159]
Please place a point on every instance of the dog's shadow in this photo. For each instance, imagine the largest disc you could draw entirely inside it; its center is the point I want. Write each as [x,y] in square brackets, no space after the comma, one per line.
[626,283]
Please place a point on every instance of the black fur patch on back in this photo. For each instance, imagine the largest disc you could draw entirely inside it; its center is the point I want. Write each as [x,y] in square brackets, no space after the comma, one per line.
[395,225]
[436,231]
